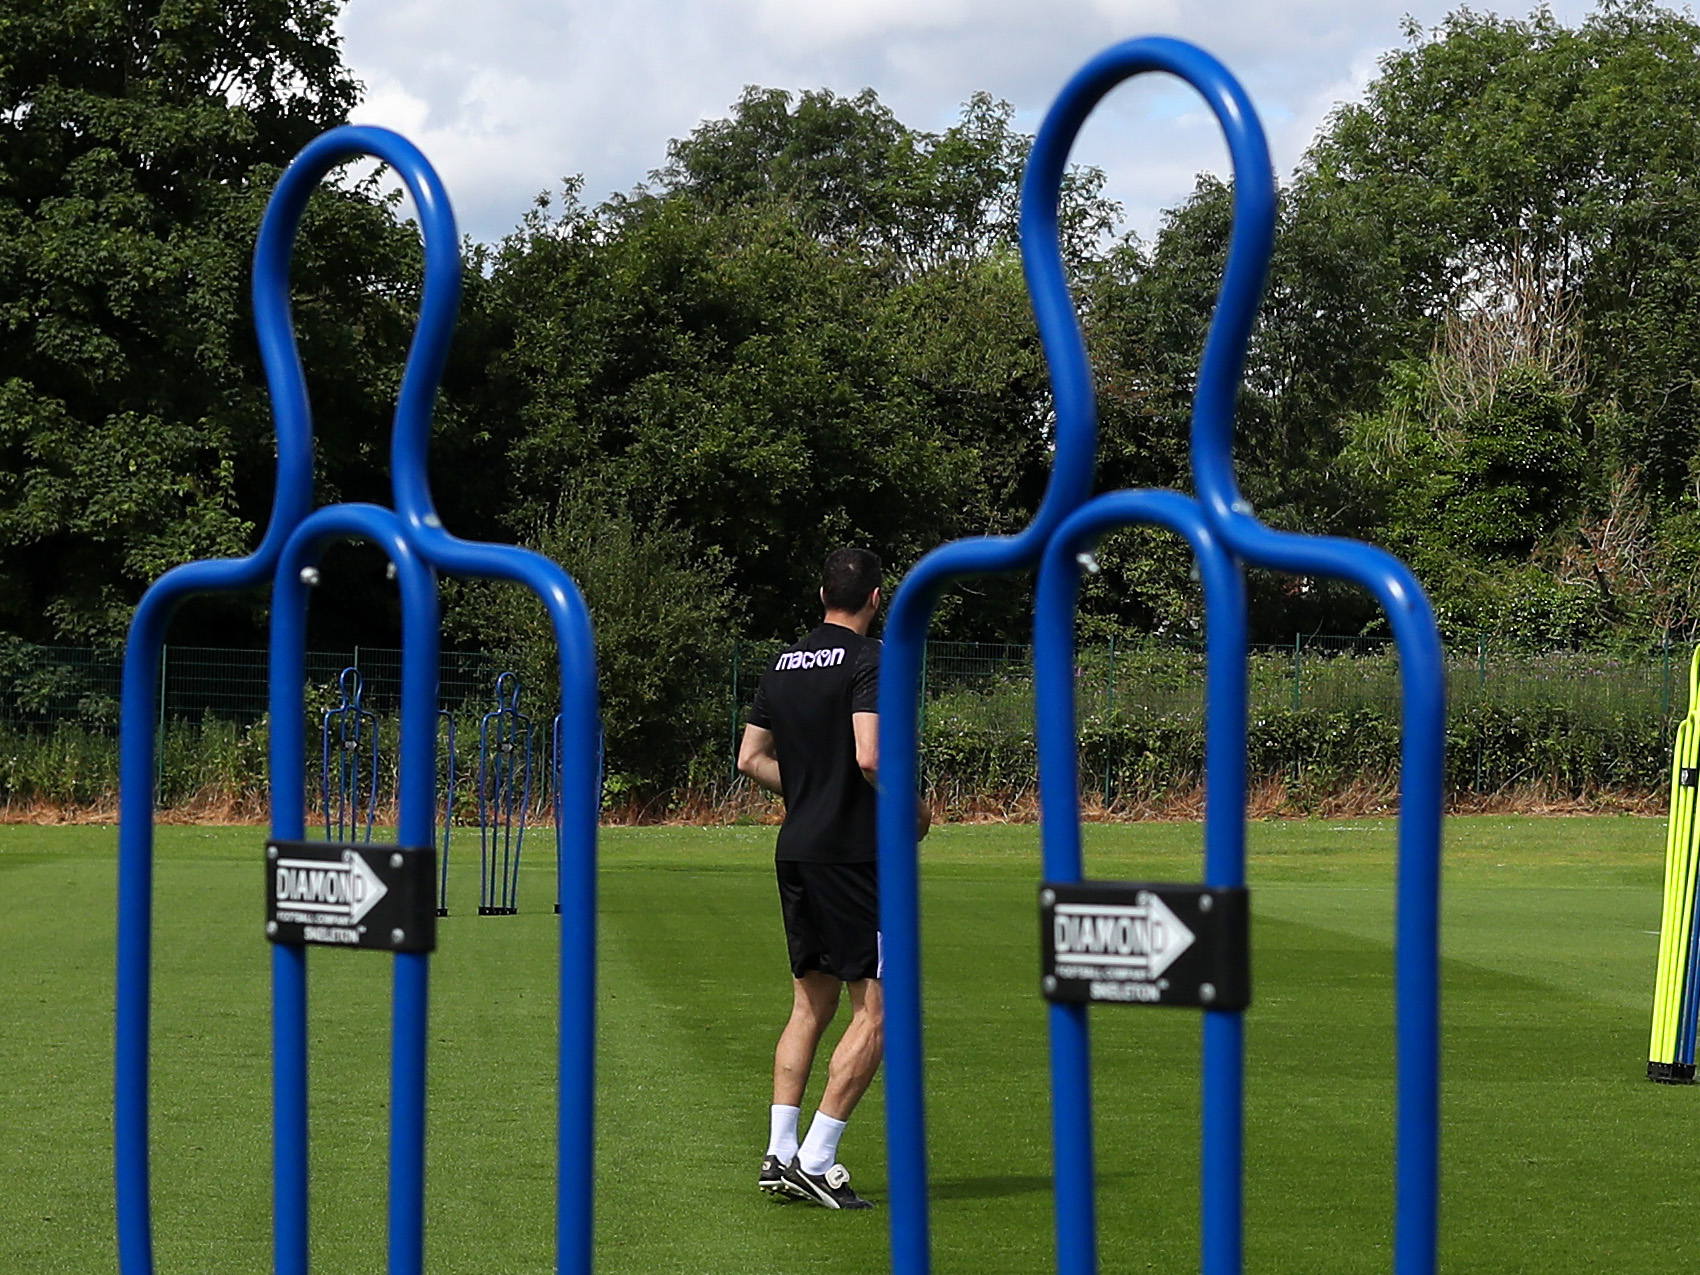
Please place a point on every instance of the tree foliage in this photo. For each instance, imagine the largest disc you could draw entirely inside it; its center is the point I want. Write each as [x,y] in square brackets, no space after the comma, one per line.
[855,177]
[1477,346]
[813,330]
[1478,340]
[1532,207]
[665,623]
[138,144]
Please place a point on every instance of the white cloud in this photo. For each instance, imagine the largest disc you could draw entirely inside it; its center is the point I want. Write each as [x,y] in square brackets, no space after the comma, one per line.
[817,25]
[508,96]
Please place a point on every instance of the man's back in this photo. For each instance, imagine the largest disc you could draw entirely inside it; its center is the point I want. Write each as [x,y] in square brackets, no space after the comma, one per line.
[807,699]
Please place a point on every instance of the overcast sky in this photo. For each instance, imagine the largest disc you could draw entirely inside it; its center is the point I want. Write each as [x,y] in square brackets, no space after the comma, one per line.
[509,96]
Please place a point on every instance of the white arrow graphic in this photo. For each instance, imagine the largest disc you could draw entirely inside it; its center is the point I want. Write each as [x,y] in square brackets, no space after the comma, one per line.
[1144,937]
[349,888]
[1169,935]
[365,887]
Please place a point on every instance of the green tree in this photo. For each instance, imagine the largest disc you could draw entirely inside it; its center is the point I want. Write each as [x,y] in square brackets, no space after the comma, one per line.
[1318,349]
[859,179]
[1478,330]
[665,620]
[813,331]
[1469,498]
[138,144]
[720,373]
[1504,164]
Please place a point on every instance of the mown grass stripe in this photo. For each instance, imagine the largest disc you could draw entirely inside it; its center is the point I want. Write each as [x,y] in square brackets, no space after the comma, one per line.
[1556,1155]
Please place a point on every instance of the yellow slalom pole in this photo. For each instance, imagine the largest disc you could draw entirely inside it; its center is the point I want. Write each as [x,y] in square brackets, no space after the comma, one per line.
[1662,1049]
[1677,919]
[1677,922]
[1676,931]
[1682,998]
[1685,788]
[1658,1054]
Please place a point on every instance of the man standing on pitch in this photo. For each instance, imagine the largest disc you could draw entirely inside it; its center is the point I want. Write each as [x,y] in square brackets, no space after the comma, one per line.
[813,738]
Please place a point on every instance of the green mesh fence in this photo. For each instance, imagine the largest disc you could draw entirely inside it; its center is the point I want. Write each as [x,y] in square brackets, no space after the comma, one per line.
[1513,716]
[1319,705]
[47,686]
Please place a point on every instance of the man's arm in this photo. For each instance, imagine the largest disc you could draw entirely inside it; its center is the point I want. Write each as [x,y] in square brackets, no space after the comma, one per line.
[758,759]
[867,728]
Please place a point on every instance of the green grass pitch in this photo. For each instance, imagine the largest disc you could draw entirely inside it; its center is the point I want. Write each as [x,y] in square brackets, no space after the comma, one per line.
[1558,1155]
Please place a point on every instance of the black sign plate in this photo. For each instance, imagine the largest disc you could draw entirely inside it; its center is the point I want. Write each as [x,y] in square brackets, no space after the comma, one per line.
[338,894]
[1133,943]
[1688,776]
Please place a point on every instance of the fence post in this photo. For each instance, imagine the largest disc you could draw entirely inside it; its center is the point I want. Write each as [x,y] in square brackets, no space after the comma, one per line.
[1293,760]
[1664,692]
[1481,699]
[1109,718]
[734,772]
[159,732]
[926,659]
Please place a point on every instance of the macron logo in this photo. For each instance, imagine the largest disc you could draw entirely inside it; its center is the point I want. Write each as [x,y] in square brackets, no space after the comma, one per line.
[810,659]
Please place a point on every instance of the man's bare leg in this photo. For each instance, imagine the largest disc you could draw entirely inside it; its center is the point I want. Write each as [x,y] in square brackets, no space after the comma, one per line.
[814,1001]
[859,1052]
[853,1065]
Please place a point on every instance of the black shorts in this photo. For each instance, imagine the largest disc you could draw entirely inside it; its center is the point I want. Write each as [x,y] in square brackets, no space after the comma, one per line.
[832,918]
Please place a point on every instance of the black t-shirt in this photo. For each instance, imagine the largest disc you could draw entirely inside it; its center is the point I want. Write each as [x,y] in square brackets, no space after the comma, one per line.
[806,699]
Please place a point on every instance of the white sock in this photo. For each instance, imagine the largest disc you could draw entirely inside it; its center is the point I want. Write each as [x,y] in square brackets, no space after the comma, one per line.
[782,1132]
[819,1151]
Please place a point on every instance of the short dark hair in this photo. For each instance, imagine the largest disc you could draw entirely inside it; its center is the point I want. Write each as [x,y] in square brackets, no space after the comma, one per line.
[849,576]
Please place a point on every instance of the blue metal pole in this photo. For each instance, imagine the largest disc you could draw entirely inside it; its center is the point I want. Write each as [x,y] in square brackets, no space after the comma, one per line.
[1688,1010]
[576,847]
[348,765]
[501,800]
[1070,484]
[326,752]
[1689,1016]
[417,801]
[510,782]
[524,724]
[287,675]
[505,799]
[417,770]
[555,798]
[1422,772]
[570,623]
[292,497]
[1224,865]
[423,533]
[369,731]
[448,718]
[1417,960]
[485,854]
